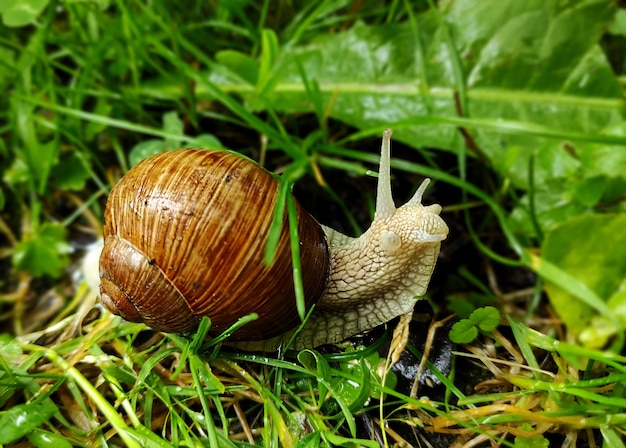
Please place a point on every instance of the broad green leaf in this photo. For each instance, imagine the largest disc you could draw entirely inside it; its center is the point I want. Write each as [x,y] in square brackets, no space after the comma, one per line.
[269,53]
[522,61]
[46,439]
[207,141]
[619,25]
[617,303]
[354,393]
[570,180]
[337,440]
[311,440]
[9,346]
[552,207]
[21,419]
[591,248]
[172,124]
[7,5]
[45,253]
[463,332]
[70,172]
[21,12]
[94,128]
[531,442]
[599,332]
[464,304]
[486,318]
[240,64]
[318,366]
[604,160]
[40,157]
[145,149]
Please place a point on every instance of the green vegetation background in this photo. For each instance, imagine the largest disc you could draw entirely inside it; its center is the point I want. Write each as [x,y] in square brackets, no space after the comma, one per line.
[525,98]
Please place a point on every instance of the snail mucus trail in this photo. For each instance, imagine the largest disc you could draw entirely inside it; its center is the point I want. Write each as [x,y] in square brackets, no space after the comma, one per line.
[185,233]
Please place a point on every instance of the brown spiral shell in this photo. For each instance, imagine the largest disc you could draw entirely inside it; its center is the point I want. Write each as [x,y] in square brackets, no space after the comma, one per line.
[185,234]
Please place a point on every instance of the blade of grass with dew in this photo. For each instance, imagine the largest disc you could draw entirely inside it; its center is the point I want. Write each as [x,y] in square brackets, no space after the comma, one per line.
[576,355]
[319,367]
[570,388]
[133,437]
[525,348]
[294,240]
[197,368]
[273,236]
[290,175]
[242,321]
[273,422]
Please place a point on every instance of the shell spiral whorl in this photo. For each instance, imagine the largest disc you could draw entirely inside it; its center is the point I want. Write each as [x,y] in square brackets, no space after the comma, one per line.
[185,235]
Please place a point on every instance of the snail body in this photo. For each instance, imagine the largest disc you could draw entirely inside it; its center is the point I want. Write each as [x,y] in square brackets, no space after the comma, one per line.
[185,233]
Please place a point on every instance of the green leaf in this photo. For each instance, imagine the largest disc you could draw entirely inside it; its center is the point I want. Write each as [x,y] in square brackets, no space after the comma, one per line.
[172,124]
[601,159]
[145,149]
[70,173]
[309,441]
[319,367]
[7,5]
[619,25]
[337,440]
[46,439]
[239,64]
[590,248]
[463,332]
[17,13]
[612,437]
[486,318]
[617,303]
[600,330]
[530,442]
[354,394]
[207,141]
[9,346]
[94,128]
[524,61]
[588,192]
[40,157]
[45,253]
[568,180]
[21,419]
[463,305]
[269,54]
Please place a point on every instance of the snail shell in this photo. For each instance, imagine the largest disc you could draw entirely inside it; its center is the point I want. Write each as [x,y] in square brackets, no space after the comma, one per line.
[185,234]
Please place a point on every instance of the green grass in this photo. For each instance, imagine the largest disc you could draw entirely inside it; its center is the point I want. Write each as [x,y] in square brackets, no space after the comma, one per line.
[523,137]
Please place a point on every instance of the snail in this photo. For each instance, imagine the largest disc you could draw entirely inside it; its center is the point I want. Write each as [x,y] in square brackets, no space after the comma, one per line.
[185,232]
